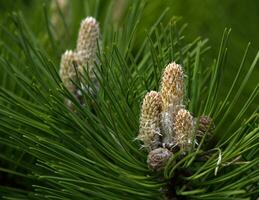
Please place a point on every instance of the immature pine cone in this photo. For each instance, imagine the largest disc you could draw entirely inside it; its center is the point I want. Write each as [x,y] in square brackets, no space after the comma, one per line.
[184,126]
[149,131]
[158,158]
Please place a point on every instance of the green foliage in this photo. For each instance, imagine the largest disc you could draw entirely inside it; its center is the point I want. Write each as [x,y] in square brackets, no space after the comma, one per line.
[48,151]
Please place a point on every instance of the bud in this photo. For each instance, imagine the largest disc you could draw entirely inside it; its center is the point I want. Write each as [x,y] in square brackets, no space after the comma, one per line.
[87,40]
[149,131]
[87,47]
[172,87]
[70,62]
[88,35]
[183,126]
[158,158]
[206,125]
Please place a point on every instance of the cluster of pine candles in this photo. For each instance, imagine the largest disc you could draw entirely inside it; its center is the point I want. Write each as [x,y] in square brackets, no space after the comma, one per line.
[75,63]
[166,126]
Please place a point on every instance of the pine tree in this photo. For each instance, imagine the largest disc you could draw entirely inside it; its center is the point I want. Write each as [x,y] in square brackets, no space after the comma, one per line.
[81,133]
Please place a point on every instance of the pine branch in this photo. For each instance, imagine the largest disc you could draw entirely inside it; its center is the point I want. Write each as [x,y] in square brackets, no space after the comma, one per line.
[90,152]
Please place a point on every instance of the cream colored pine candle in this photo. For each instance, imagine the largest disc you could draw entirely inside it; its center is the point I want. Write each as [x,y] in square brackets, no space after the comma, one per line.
[172,92]
[70,62]
[87,43]
[149,131]
[184,126]
[172,86]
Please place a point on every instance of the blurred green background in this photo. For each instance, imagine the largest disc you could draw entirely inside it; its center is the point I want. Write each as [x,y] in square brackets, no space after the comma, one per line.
[205,18]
